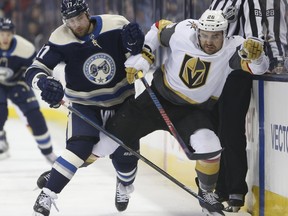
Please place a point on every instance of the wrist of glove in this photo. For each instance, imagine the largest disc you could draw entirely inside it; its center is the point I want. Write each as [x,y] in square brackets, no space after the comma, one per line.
[251,49]
[140,62]
[133,38]
[51,90]
[277,65]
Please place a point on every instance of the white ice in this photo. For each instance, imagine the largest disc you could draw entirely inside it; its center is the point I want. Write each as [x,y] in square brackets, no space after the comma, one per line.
[91,191]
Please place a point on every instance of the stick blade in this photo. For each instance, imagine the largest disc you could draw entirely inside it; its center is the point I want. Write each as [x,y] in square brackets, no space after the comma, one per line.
[210,210]
[204,156]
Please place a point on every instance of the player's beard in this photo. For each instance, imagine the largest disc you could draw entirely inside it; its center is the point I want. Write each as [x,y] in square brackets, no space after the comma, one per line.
[80,32]
[210,49]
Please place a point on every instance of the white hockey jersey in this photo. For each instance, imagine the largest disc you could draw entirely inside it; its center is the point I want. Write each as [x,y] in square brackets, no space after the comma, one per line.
[192,75]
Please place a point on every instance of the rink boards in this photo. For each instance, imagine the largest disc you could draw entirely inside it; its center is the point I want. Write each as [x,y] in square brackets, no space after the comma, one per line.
[267,135]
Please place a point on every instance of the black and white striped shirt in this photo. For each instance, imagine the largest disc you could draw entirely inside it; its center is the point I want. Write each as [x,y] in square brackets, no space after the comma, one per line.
[275,22]
[244,16]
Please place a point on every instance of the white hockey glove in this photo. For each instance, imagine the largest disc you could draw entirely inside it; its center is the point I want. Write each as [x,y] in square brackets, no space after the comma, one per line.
[251,49]
[140,62]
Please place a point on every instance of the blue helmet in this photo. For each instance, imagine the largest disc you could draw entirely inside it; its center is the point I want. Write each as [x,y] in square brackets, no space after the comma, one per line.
[72,8]
[6,24]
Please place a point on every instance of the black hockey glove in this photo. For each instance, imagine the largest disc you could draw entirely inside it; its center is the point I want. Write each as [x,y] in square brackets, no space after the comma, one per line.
[52,90]
[133,38]
[277,65]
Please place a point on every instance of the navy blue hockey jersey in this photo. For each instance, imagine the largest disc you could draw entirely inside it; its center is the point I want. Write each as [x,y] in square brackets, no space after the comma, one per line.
[94,71]
[15,60]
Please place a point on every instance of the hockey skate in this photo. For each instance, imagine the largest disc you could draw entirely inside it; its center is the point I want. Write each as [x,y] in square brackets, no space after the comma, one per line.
[221,197]
[234,205]
[122,195]
[211,198]
[43,179]
[43,203]
[4,147]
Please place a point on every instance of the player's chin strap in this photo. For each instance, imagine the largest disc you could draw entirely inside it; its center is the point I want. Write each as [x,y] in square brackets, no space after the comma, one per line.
[172,129]
[139,156]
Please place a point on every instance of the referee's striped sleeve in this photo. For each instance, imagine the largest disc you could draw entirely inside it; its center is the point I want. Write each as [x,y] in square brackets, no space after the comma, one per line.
[253,17]
[276,21]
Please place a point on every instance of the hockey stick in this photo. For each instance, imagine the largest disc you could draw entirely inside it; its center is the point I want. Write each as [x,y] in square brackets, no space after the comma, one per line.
[189,154]
[239,213]
[207,205]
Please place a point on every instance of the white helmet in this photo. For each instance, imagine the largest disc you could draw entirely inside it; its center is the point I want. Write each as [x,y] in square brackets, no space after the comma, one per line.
[213,20]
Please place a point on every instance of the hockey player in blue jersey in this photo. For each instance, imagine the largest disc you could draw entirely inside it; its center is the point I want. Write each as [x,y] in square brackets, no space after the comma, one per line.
[16,54]
[94,49]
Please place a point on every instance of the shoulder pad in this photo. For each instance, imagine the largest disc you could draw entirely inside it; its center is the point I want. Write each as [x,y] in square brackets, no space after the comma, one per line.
[162,24]
[111,22]
[24,48]
[63,35]
[186,28]
[189,24]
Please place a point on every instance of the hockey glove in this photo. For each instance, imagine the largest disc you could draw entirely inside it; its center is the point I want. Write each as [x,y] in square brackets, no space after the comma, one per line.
[140,62]
[133,38]
[52,90]
[251,49]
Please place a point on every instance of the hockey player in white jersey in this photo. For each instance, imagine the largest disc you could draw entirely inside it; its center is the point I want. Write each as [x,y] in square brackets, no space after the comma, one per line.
[188,85]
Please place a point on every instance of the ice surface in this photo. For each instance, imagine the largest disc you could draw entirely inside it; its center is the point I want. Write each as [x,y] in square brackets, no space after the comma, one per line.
[91,191]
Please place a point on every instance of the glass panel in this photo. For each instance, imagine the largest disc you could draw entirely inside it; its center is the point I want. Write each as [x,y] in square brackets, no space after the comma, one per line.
[128,9]
[173,10]
[198,7]
[144,14]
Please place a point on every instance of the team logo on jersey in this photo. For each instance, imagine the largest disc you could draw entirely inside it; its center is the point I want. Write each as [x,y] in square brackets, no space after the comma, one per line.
[194,71]
[231,14]
[99,68]
[192,25]
[5,73]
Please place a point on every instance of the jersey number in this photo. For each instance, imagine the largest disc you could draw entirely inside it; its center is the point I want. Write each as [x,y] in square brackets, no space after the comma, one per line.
[43,51]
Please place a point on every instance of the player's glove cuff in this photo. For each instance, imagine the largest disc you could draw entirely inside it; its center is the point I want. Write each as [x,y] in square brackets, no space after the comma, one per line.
[133,38]
[148,55]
